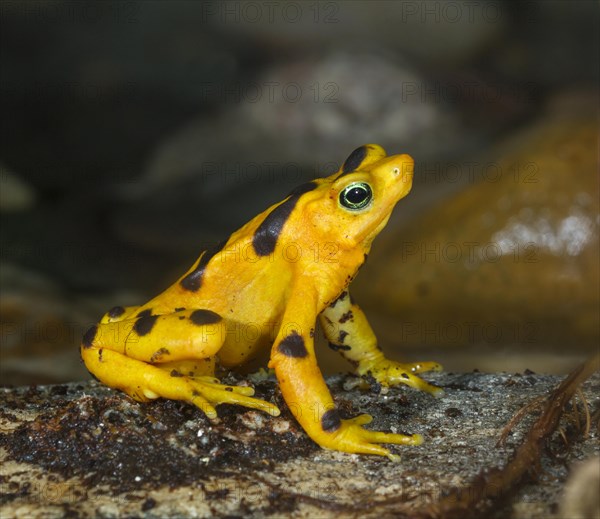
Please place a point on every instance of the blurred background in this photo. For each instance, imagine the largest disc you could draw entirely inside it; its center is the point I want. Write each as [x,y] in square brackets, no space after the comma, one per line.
[137,133]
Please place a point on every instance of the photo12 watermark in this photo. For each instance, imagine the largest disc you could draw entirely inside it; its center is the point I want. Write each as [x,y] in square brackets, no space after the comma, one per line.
[269,92]
[76,12]
[271,12]
[473,172]
[468,252]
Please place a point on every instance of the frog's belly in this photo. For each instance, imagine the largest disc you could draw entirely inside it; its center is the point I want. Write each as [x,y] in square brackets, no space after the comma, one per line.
[243,342]
[251,331]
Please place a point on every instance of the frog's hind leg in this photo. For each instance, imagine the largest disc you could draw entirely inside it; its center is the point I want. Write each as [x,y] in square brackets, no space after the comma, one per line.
[177,336]
[144,355]
[144,382]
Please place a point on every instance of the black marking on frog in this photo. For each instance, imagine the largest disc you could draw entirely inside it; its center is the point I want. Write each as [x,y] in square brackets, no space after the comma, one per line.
[158,354]
[193,281]
[339,347]
[268,232]
[342,336]
[116,311]
[330,421]
[293,346]
[348,316]
[144,323]
[89,336]
[202,317]
[341,297]
[354,160]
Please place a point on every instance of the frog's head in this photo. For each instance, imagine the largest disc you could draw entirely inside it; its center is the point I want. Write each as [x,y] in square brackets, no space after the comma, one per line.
[347,209]
[356,202]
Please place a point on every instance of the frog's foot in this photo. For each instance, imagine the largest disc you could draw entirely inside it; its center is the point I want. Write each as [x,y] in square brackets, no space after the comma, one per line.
[390,373]
[207,392]
[353,437]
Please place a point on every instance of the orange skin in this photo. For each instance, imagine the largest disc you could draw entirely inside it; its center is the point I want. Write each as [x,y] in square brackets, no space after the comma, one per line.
[264,287]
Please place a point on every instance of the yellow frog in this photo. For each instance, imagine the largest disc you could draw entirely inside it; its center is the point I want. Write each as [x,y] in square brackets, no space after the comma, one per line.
[264,287]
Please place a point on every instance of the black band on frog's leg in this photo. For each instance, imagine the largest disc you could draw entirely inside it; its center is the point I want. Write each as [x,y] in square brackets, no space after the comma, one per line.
[293,346]
[339,347]
[330,421]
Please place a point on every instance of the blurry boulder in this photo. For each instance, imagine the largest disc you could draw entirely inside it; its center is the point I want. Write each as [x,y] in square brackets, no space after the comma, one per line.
[295,122]
[15,194]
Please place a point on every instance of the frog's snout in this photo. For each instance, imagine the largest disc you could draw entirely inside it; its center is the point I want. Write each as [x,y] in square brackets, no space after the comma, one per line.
[402,170]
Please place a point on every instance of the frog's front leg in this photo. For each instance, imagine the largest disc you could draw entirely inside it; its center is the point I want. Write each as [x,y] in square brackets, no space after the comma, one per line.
[150,356]
[307,395]
[348,331]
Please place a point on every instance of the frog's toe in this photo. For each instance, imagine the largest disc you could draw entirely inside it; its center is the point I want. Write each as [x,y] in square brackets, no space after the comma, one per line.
[361,419]
[217,393]
[400,375]
[215,383]
[204,405]
[353,437]
[391,373]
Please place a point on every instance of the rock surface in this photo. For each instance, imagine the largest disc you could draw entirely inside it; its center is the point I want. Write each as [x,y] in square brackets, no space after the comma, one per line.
[85,450]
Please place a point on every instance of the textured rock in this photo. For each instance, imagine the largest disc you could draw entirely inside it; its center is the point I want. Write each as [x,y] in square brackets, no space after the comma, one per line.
[85,450]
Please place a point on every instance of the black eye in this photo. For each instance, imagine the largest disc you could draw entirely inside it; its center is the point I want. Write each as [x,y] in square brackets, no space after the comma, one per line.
[356,195]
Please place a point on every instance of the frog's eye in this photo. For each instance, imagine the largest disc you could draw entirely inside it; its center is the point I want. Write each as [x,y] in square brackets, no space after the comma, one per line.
[356,196]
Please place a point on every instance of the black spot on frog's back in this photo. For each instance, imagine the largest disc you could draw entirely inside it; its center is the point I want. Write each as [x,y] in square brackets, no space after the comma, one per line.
[354,160]
[267,233]
[193,281]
